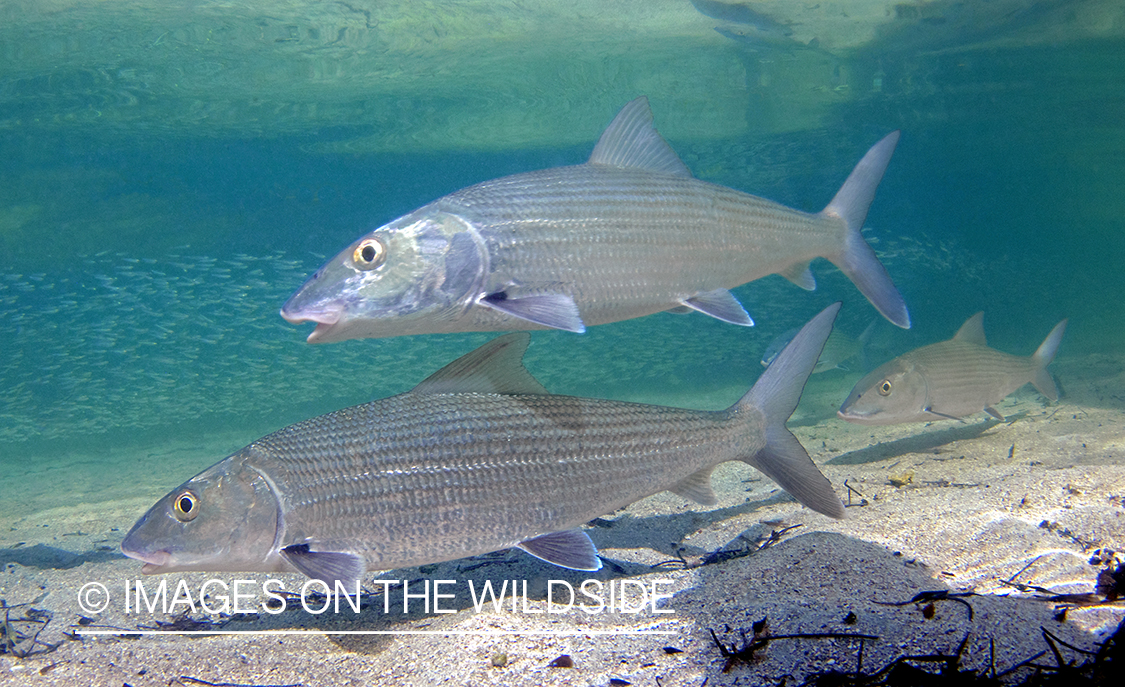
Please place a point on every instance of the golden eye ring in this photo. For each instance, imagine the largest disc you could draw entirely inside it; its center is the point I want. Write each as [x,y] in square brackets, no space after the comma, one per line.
[369,253]
[185,506]
[885,387]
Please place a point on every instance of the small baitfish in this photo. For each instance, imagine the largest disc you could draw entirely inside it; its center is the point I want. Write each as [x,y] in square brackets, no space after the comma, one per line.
[630,233]
[949,380]
[476,458]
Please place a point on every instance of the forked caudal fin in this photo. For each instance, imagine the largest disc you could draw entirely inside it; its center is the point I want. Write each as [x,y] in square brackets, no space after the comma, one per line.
[776,394]
[1042,358]
[856,259]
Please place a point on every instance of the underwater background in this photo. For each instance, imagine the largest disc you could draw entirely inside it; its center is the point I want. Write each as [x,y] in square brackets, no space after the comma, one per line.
[171,172]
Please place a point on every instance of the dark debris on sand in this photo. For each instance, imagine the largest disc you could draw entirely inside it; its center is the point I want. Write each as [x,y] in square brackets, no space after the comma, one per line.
[1059,665]
[19,634]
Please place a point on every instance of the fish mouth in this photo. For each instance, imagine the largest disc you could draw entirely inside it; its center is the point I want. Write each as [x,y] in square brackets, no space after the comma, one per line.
[322,330]
[858,418]
[324,316]
[325,319]
[154,561]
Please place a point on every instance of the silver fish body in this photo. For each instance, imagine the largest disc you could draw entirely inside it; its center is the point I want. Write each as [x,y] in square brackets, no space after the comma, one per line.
[627,234]
[949,379]
[477,458]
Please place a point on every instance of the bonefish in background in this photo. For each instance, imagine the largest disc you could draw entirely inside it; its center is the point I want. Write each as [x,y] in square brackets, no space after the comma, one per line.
[950,379]
[839,349]
[627,234]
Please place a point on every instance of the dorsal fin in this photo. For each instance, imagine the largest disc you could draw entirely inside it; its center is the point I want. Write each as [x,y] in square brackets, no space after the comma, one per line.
[972,331]
[632,141]
[494,368]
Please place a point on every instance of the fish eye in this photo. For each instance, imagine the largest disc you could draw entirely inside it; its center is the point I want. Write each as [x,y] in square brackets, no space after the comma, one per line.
[369,253]
[885,387]
[186,506]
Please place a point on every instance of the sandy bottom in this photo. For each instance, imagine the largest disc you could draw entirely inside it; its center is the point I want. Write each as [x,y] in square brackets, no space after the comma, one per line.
[990,509]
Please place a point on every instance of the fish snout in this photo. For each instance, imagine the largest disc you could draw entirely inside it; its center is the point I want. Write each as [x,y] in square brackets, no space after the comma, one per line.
[326,315]
[325,318]
[152,568]
[848,411]
[872,417]
[153,561]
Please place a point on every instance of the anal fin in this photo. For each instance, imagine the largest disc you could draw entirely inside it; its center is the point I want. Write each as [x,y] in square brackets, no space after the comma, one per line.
[697,487]
[801,275]
[568,549]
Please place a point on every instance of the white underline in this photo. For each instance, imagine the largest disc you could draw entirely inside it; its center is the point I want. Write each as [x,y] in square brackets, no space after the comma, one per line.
[540,633]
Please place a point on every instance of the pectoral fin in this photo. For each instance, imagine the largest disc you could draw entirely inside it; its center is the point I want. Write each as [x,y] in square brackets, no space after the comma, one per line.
[557,311]
[326,566]
[931,411]
[568,549]
[720,304]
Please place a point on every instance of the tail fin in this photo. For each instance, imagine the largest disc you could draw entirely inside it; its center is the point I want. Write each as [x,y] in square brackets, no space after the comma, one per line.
[1042,358]
[856,259]
[864,339]
[775,394]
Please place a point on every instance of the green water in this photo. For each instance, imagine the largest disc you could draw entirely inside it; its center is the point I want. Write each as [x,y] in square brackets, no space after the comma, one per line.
[168,176]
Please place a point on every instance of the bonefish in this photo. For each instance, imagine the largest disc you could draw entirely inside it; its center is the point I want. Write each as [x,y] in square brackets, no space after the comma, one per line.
[476,458]
[627,234]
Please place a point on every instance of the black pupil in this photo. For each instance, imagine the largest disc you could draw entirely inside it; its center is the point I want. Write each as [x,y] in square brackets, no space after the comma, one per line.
[368,253]
[185,504]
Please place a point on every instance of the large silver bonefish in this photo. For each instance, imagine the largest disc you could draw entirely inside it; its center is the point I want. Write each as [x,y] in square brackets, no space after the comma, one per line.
[627,234]
[950,379]
[476,458]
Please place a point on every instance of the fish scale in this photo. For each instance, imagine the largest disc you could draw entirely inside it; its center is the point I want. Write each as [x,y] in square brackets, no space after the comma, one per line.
[476,458]
[616,227]
[969,371]
[628,234]
[608,453]
[949,379]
